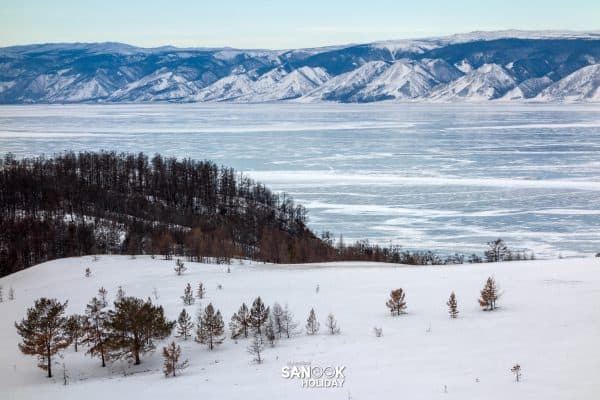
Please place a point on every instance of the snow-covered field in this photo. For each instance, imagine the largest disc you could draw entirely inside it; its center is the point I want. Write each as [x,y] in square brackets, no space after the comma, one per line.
[548,322]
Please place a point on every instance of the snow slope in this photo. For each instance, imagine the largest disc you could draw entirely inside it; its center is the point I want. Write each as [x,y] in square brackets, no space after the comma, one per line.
[548,322]
[273,85]
[581,85]
[487,82]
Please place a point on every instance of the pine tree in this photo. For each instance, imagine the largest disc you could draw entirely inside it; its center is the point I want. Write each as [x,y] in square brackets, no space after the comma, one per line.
[94,330]
[74,329]
[102,292]
[396,303]
[516,369]
[88,272]
[184,325]
[180,267]
[188,295]
[120,294]
[11,293]
[210,328]
[312,325]
[452,306]
[171,364]
[240,322]
[489,295]
[43,331]
[256,348]
[270,333]
[331,325]
[200,291]
[258,315]
[133,327]
[278,319]
[287,322]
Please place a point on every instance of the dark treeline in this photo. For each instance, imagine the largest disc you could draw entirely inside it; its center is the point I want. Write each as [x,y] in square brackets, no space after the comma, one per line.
[103,202]
[108,203]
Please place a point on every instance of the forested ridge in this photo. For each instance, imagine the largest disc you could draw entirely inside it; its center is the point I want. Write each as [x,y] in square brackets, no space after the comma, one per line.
[103,202]
[75,204]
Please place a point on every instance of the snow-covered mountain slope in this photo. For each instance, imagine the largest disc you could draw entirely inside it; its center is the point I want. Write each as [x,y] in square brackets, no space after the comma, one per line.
[488,82]
[583,84]
[348,87]
[160,85]
[547,322]
[401,80]
[478,66]
[528,89]
[274,85]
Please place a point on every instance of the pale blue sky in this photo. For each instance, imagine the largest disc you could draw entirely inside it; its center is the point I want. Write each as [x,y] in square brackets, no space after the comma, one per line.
[277,24]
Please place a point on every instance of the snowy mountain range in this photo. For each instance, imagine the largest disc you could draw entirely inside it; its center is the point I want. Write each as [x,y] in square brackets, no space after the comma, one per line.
[479,66]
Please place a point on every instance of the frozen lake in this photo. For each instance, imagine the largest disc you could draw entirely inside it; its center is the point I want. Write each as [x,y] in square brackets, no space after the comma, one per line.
[441,177]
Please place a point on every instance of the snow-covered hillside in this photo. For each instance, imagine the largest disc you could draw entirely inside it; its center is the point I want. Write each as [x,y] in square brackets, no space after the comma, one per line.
[581,84]
[476,66]
[487,82]
[274,85]
[548,321]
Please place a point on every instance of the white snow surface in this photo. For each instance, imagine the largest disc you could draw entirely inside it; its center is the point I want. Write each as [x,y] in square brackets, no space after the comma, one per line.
[548,321]
[583,84]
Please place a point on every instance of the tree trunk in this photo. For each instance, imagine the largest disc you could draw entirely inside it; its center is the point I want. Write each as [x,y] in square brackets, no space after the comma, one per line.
[137,357]
[49,364]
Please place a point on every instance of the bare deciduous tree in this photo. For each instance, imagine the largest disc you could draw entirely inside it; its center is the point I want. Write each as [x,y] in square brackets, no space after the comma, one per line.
[180,267]
[312,325]
[200,291]
[516,369]
[497,251]
[270,330]
[288,324]
[256,348]
[331,325]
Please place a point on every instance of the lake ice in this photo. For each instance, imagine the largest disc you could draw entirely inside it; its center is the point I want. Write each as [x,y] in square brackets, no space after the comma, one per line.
[424,176]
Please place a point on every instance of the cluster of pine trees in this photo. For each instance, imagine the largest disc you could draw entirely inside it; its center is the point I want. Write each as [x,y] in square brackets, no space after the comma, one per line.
[134,326]
[128,331]
[490,293]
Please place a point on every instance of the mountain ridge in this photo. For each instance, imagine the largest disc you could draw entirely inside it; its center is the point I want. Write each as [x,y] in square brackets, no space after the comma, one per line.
[476,66]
